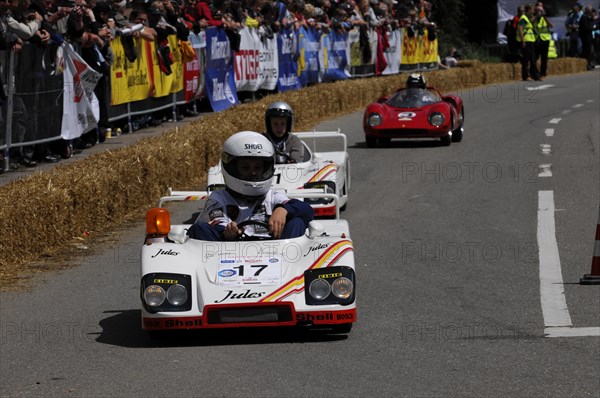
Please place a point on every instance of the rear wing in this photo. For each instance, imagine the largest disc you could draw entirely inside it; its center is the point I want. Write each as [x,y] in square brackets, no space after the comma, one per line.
[184,196]
[310,138]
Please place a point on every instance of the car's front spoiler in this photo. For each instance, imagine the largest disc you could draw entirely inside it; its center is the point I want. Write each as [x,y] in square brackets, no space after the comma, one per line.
[249,315]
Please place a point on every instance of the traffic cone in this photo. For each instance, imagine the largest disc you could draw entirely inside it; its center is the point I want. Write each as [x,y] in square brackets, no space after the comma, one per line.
[593,278]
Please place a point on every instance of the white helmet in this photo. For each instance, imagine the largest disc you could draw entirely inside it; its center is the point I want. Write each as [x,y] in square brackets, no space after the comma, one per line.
[241,171]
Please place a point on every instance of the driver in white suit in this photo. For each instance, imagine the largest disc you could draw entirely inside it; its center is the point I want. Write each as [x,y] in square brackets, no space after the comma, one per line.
[248,160]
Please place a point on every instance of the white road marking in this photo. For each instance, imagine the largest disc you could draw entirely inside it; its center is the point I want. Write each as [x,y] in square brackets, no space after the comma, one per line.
[546,171]
[588,101]
[555,120]
[540,87]
[577,105]
[546,149]
[552,292]
[566,112]
[549,132]
[572,332]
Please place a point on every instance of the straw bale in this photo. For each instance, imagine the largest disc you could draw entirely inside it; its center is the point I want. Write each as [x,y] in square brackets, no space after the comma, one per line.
[50,211]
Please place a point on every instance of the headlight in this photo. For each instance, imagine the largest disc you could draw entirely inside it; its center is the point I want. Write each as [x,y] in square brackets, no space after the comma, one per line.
[329,187]
[177,294]
[342,288]
[165,292]
[330,285]
[437,119]
[154,295]
[319,289]
[374,119]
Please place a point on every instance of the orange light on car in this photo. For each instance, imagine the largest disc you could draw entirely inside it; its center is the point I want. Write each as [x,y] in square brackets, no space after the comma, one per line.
[158,222]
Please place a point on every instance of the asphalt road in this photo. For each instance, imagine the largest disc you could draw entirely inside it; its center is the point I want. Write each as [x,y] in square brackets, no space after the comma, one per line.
[454,270]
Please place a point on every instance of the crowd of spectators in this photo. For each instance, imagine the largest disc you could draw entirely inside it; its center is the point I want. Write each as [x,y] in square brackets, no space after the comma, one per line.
[583,30]
[90,25]
[582,26]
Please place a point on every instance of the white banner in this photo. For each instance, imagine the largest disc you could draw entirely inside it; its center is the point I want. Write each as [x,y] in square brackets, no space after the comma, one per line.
[256,65]
[80,105]
[393,54]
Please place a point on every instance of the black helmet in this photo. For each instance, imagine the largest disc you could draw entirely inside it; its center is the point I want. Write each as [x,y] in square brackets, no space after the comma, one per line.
[281,109]
[416,80]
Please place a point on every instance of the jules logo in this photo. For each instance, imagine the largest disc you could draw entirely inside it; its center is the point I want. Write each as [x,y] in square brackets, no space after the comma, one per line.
[162,252]
[240,296]
[317,247]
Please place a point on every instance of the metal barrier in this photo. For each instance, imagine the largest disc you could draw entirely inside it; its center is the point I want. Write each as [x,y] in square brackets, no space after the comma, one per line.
[33,108]
[32,111]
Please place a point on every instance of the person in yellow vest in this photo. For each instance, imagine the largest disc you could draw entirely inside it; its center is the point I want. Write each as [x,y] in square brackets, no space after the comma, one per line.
[526,37]
[552,54]
[542,26]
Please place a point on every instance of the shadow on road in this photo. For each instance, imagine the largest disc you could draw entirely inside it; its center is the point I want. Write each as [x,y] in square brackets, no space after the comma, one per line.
[123,328]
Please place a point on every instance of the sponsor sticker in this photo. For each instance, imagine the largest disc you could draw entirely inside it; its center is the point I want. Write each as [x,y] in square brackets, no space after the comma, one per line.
[227,273]
[406,115]
[250,271]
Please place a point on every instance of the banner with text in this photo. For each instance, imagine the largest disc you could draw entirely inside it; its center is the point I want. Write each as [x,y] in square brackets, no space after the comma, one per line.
[308,61]
[130,81]
[220,82]
[333,58]
[80,106]
[287,45]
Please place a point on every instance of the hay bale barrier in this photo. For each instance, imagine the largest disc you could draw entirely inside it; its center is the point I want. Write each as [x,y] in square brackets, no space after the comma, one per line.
[52,211]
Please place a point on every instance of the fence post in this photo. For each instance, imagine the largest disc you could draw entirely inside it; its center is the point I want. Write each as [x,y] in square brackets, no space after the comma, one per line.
[129,123]
[174,95]
[9,107]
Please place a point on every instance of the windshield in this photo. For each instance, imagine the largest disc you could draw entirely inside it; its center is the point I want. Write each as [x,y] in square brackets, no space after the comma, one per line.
[413,98]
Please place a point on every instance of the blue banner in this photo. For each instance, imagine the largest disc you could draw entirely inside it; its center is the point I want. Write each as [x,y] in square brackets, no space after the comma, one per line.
[220,80]
[288,68]
[308,62]
[333,58]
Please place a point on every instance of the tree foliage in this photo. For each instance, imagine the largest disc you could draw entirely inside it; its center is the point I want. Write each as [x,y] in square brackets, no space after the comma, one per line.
[449,15]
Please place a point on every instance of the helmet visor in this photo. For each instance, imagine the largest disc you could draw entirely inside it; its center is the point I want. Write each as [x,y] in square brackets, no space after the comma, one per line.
[251,168]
